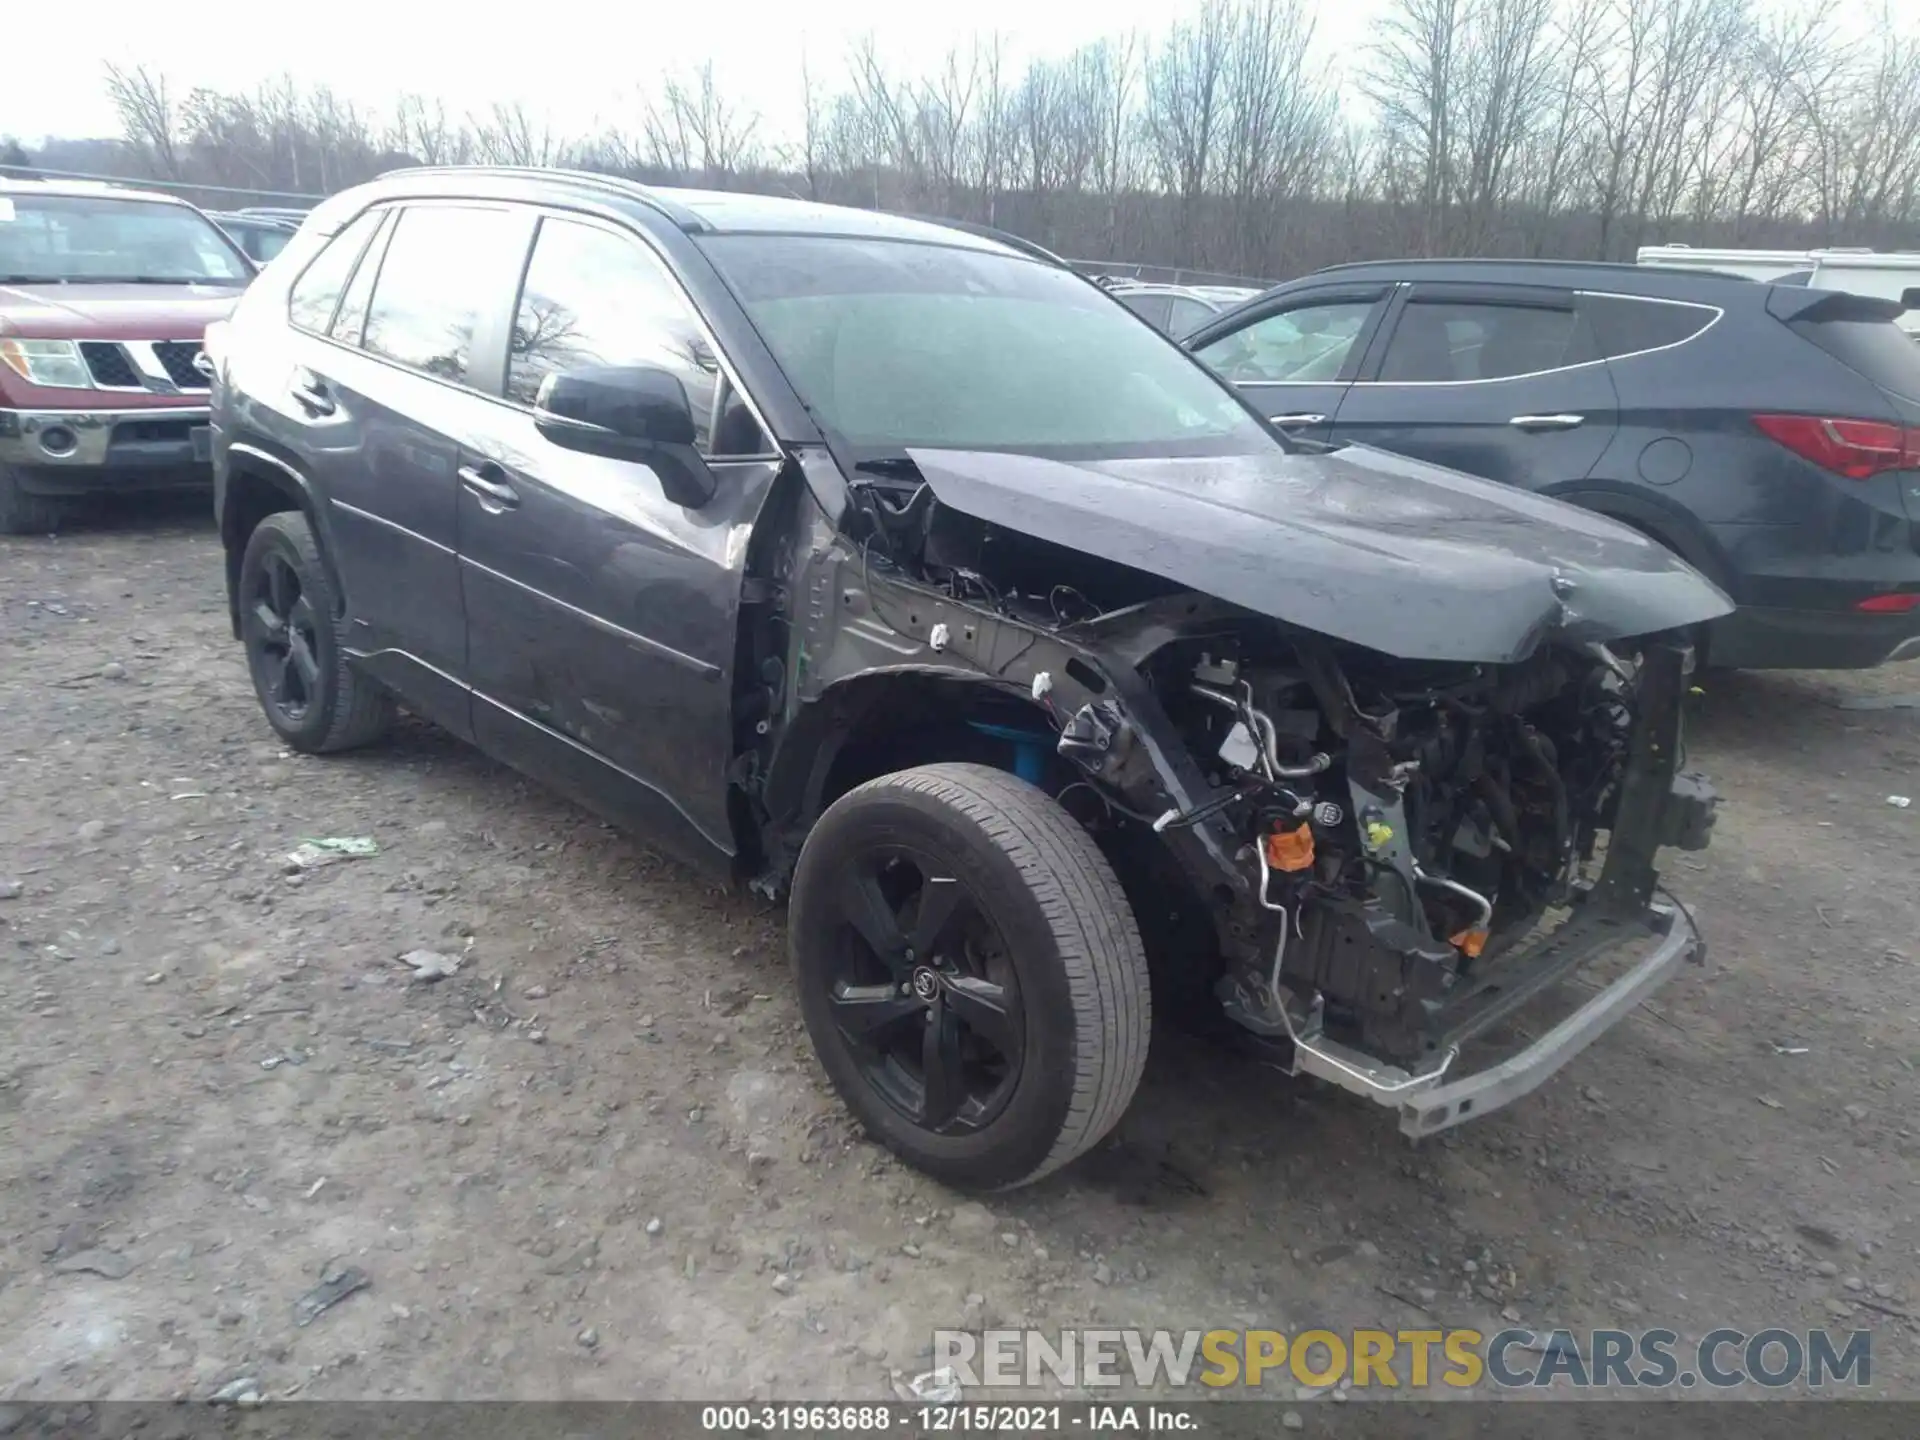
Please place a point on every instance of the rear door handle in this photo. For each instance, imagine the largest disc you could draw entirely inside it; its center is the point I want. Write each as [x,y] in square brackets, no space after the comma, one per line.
[1298,419]
[310,391]
[1546,422]
[495,495]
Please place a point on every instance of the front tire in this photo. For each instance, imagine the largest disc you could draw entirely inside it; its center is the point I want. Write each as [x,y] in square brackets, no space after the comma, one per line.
[970,973]
[292,630]
[21,511]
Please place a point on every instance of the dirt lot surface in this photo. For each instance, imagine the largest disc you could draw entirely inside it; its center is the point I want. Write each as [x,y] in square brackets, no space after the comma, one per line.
[600,1161]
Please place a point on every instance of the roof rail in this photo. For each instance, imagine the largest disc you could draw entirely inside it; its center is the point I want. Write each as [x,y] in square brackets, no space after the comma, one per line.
[987,232]
[1519,262]
[680,215]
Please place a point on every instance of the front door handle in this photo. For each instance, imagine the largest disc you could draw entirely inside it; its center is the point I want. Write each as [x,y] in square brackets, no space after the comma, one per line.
[310,391]
[495,495]
[1285,420]
[1546,422]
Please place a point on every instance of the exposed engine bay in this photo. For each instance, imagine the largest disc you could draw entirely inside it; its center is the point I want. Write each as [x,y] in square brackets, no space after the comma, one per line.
[1390,853]
[1410,822]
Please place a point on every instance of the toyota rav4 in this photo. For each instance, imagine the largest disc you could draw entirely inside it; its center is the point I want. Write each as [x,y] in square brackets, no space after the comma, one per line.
[902,572]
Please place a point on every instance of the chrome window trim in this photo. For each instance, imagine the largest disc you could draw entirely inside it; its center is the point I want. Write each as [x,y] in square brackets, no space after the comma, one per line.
[1718,313]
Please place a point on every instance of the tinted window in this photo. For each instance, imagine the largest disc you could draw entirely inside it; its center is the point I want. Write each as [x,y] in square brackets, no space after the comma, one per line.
[1307,343]
[893,344]
[351,320]
[1450,340]
[1624,325]
[596,298]
[1149,307]
[445,267]
[316,293]
[1188,316]
[1877,349]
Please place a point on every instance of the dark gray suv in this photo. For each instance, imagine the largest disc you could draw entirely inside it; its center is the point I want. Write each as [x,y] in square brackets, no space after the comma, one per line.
[1770,434]
[898,570]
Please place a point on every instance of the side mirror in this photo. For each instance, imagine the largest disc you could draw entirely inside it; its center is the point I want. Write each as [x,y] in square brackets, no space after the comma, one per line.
[627,412]
[1910,298]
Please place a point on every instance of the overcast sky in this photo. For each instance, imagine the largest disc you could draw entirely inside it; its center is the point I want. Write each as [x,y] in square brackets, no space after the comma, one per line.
[575,62]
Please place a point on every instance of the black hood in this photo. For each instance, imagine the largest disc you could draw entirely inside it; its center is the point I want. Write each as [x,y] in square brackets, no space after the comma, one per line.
[1400,556]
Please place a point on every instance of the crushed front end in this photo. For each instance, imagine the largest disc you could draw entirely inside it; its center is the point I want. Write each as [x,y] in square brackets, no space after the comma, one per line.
[1430,846]
[1367,860]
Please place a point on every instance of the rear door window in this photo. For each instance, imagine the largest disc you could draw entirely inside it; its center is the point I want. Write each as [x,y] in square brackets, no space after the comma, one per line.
[1455,340]
[446,268]
[1628,324]
[316,294]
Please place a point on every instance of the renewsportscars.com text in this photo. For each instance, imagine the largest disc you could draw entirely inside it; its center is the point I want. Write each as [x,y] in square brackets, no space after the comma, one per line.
[1413,1359]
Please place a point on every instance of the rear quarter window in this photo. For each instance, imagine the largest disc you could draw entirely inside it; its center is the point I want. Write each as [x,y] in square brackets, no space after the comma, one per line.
[316,294]
[1628,324]
[1877,349]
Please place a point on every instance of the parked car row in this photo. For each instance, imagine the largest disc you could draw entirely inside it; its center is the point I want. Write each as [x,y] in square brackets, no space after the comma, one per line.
[899,571]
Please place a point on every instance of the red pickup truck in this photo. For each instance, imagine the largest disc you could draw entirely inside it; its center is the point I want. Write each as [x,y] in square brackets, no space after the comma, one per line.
[105,297]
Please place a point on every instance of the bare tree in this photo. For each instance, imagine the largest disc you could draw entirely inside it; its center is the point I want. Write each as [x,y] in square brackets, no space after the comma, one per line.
[1537,127]
[147,119]
[1185,110]
[510,135]
[696,130]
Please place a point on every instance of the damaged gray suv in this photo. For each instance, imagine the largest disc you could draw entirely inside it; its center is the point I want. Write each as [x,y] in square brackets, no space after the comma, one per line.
[905,574]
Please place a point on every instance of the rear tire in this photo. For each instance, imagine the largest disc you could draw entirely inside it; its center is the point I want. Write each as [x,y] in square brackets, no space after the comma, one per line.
[1012,1039]
[24,513]
[291,627]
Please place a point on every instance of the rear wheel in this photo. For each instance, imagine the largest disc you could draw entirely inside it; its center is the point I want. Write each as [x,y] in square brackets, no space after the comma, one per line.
[24,513]
[970,973]
[314,699]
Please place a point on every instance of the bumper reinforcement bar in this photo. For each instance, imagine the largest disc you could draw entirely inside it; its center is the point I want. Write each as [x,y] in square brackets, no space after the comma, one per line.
[1429,1103]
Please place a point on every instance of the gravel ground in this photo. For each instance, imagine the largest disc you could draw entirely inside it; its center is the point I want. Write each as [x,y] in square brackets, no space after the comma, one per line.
[599,1161]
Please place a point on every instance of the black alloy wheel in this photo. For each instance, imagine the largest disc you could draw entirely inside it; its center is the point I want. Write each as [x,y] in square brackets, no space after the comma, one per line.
[289,623]
[970,973]
[924,992]
[283,640]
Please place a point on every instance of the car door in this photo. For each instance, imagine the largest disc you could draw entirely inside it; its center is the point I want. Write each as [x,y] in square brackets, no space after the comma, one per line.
[1295,355]
[1501,381]
[601,615]
[389,399]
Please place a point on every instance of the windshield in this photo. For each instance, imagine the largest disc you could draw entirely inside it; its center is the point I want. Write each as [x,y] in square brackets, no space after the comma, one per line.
[98,238]
[893,344]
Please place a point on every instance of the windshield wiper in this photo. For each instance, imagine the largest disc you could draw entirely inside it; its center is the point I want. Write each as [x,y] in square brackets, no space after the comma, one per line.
[34,280]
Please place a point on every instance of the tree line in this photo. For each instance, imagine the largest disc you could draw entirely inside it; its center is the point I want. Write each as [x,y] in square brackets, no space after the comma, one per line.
[1225,140]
